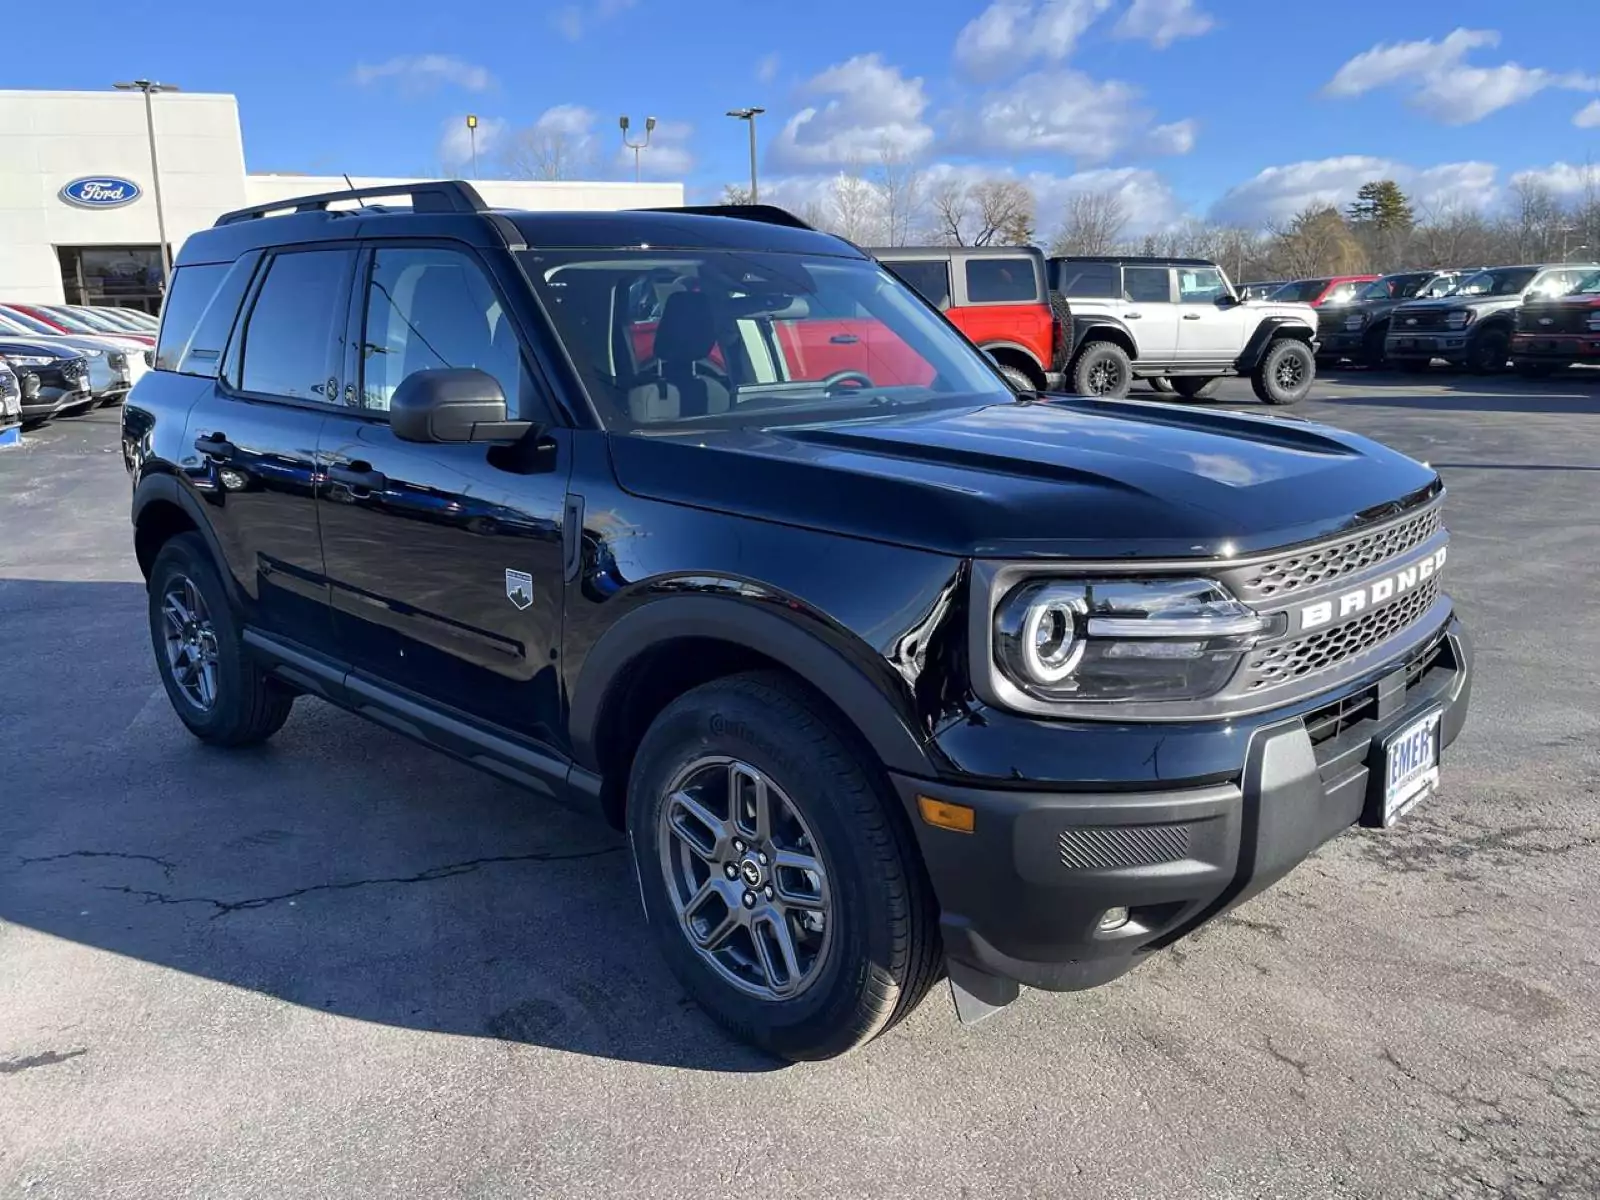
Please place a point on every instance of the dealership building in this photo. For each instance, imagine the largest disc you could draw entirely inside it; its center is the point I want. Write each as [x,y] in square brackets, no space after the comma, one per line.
[78,219]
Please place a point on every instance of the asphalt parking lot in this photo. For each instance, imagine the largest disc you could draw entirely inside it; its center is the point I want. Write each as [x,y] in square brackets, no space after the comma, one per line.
[343,966]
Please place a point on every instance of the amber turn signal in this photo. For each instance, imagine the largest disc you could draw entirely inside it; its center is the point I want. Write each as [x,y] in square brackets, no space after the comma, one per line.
[944,815]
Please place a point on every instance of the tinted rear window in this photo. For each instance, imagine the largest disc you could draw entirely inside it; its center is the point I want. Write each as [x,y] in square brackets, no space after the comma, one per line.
[191,291]
[1085,279]
[291,328]
[1302,291]
[1147,285]
[929,276]
[1001,280]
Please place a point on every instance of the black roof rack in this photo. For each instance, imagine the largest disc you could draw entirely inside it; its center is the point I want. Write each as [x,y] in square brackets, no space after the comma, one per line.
[440,196]
[767,214]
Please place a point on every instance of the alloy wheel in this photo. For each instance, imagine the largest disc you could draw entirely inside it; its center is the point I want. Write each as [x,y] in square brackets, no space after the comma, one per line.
[746,878]
[1289,373]
[191,642]
[1104,377]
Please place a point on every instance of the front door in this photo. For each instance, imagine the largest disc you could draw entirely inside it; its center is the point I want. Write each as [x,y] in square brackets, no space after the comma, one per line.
[445,561]
[1207,332]
[1150,312]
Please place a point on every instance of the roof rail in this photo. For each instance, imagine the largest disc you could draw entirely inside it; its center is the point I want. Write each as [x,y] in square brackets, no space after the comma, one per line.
[767,214]
[440,196]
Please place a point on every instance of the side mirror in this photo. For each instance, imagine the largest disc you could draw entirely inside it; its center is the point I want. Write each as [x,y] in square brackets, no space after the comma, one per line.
[454,405]
[1228,299]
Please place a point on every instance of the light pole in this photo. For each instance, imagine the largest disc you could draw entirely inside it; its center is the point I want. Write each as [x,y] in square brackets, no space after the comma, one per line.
[749,116]
[472,133]
[149,87]
[649,128]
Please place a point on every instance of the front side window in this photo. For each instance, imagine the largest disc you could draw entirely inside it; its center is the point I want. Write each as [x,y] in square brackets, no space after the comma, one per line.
[1436,287]
[750,337]
[1146,285]
[1200,285]
[1589,285]
[1301,291]
[1001,281]
[430,309]
[292,325]
[1341,293]
[929,277]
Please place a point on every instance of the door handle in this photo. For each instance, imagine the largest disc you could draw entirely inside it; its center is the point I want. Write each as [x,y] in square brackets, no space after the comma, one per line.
[1191,316]
[1133,316]
[217,447]
[358,477]
[844,339]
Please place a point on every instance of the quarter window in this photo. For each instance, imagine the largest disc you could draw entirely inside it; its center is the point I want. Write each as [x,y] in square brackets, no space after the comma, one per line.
[1087,280]
[929,277]
[192,289]
[292,325]
[1200,285]
[1001,281]
[1146,285]
[431,309]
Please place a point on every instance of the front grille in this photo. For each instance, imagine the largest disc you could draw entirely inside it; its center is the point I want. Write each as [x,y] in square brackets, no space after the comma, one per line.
[1274,665]
[1563,318]
[1280,577]
[1331,320]
[75,368]
[1329,721]
[1090,848]
[1427,318]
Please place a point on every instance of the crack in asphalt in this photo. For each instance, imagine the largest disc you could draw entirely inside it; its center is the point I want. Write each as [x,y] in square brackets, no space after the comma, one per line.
[49,1058]
[167,865]
[431,875]
[1303,1066]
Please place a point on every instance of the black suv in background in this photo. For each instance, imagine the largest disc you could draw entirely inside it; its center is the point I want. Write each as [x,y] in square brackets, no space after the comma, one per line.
[887,671]
[1357,330]
[1472,326]
[59,384]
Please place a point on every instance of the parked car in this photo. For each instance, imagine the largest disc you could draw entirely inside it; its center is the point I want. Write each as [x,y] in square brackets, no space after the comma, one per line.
[11,393]
[997,296]
[1260,290]
[1331,289]
[62,374]
[1553,332]
[46,320]
[126,319]
[1472,326]
[843,655]
[1179,319]
[1357,328]
[92,321]
[112,368]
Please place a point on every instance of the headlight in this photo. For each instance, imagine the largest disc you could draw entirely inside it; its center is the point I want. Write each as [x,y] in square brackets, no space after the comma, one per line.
[91,352]
[1355,321]
[1122,639]
[1459,319]
[30,360]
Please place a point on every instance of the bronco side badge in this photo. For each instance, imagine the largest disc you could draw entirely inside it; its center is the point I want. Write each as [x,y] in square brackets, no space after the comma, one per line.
[519,588]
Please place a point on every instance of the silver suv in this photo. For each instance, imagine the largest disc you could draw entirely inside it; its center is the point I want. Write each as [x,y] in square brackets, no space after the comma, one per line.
[1179,319]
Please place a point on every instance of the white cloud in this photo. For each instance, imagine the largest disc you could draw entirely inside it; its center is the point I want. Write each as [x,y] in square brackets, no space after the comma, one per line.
[1277,193]
[573,21]
[425,72]
[455,142]
[1442,85]
[1567,181]
[767,68]
[667,156]
[1009,34]
[1162,22]
[1065,112]
[1588,116]
[869,105]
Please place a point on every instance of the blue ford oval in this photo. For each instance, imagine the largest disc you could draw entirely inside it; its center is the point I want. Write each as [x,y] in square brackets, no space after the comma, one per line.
[101,191]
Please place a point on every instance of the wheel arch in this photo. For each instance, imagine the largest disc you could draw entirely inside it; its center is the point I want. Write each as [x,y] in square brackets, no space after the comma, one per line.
[1101,329]
[162,509]
[668,646]
[1014,354]
[1270,329]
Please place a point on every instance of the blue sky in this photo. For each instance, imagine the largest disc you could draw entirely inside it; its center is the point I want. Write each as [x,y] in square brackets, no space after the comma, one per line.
[1240,109]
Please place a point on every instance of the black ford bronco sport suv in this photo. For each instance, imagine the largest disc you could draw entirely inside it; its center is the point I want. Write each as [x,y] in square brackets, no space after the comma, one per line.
[887,671]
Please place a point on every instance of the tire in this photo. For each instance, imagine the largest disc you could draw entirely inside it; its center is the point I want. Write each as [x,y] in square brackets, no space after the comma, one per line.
[1414,366]
[1195,387]
[245,706]
[1374,355]
[1102,369]
[1284,357]
[881,951]
[1018,379]
[1488,351]
[1160,383]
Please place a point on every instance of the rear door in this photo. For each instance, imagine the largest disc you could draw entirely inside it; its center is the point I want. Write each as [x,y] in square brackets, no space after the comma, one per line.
[1207,331]
[253,432]
[1150,311]
[445,561]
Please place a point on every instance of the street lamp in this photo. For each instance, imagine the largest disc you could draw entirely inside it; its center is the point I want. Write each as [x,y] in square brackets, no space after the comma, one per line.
[149,87]
[649,128]
[472,133]
[749,115]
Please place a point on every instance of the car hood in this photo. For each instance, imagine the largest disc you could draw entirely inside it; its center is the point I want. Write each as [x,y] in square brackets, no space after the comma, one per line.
[37,345]
[1283,308]
[1449,302]
[1078,478]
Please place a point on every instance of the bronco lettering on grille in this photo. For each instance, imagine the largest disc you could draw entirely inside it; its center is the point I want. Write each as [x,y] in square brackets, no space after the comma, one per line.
[1373,594]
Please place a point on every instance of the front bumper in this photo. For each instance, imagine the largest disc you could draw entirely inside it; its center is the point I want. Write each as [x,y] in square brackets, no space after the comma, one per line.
[1452,347]
[1555,348]
[1342,345]
[1023,894]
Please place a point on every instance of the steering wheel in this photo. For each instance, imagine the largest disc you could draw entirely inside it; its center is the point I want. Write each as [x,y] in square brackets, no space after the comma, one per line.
[849,380]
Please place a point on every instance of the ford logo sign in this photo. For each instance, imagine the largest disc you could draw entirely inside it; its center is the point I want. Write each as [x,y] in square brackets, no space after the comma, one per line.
[101,191]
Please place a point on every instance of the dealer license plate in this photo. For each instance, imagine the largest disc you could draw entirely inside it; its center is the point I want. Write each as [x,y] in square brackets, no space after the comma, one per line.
[1411,762]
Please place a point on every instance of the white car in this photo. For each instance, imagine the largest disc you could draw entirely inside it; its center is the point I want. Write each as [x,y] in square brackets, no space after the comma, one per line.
[113,366]
[1180,319]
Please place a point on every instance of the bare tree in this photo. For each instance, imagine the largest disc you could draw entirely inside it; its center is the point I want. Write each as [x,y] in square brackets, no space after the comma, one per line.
[1092,224]
[732,193]
[541,153]
[949,204]
[900,187]
[1317,241]
[854,205]
[1539,220]
[991,212]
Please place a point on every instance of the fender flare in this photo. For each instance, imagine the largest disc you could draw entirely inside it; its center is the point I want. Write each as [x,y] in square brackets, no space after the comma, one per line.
[1256,348]
[888,729]
[1083,326]
[1003,344]
[161,487]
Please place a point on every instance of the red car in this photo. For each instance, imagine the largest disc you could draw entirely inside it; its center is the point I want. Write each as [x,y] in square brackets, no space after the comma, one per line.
[1330,289]
[65,321]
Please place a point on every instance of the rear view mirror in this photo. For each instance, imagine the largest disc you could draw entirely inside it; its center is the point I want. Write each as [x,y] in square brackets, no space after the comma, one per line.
[454,405]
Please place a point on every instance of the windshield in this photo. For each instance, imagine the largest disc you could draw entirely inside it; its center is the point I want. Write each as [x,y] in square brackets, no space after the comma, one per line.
[67,320]
[1301,291]
[1505,281]
[1398,287]
[663,337]
[93,320]
[31,323]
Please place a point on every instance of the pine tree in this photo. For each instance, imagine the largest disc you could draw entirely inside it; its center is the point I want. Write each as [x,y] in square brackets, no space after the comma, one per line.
[1381,206]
